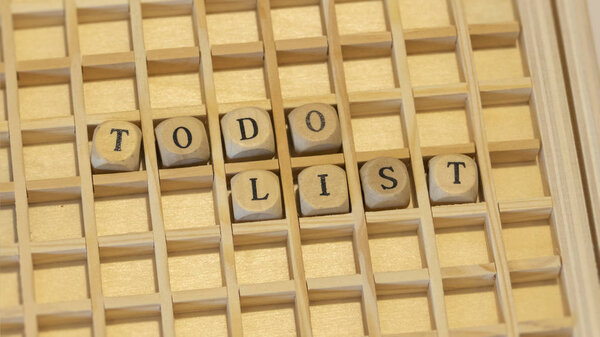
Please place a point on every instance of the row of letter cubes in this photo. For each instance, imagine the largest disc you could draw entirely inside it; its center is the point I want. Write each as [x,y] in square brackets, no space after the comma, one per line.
[247,134]
[256,195]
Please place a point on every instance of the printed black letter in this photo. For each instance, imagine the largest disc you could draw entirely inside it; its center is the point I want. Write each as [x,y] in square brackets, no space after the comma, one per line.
[323,184]
[255,193]
[321,119]
[243,129]
[119,137]
[456,164]
[394,181]
[188,134]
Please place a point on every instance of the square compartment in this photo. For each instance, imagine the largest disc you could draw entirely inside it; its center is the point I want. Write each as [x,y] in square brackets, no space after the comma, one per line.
[232,27]
[135,326]
[404,313]
[389,128]
[542,300]
[211,323]
[5,164]
[328,257]
[56,220]
[123,214]
[462,246]
[128,275]
[307,79]
[195,269]
[110,95]
[360,17]
[509,122]
[174,90]
[158,32]
[472,307]
[45,101]
[10,287]
[425,13]
[261,263]
[188,209]
[443,127]
[521,180]
[296,22]
[370,74]
[527,240]
[395,251]
[489,11]
[36,43]
[105,37]
[434,69]
[239,85]
[61,282]
[337,318]
[493,64]
[8,224]
[277,319]
[50,160]
[69,329]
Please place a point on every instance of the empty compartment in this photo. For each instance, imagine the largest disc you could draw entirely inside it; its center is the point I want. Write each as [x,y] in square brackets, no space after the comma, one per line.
[490,11]
[520,180]
[5,163]
[296,22]
[56,220]
[261,263]
[8,224]
[104,37]
[328,257]
[110,95]
[188,208]
[509,122]
[50,160]
[360,17]
[10,287]
[240,84]
[472,307]
[438,68]
[459,246]
[174,90]
[147,326]
[128,275]
[404,313]
[159,32]
[40,42]
[529,239]
[369,74]
[61,281]
[395,252]
[68,329]
[212,323]
[541,300]
[444,127]
[232,27]
[277,319]
[389,129]
[195,269]
[122,214]
[501,63]
[340,317]
[425,13]
[305,79]
[45,100]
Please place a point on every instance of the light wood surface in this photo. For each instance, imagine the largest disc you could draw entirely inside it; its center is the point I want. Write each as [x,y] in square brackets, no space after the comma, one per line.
[157,251]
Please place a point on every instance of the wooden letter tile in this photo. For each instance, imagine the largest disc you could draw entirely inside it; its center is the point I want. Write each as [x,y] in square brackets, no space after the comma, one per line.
[248,134]
[182,141]
[256,195]
[315,129]
[385,183]
[323,190]
[453,179]
[116,146]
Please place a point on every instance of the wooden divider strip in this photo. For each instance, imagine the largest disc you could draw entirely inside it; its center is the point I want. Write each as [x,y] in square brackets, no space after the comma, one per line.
[285,169]
[220,180]
[493,223]
[85,171]
[151,161]
[360,237]
[18,171]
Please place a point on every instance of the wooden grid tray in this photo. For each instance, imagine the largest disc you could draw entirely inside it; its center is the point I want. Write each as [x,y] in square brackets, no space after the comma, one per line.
[155,252]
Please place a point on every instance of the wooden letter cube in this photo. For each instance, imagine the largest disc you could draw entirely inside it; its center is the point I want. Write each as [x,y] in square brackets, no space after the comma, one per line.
[116,146]
[256,195]
[247,133]
[453,179]
[385,183]
[182,141]
[323,190]
[315,129]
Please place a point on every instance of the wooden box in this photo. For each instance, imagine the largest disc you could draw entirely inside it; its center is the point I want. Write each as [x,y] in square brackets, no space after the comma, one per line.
[156,253]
